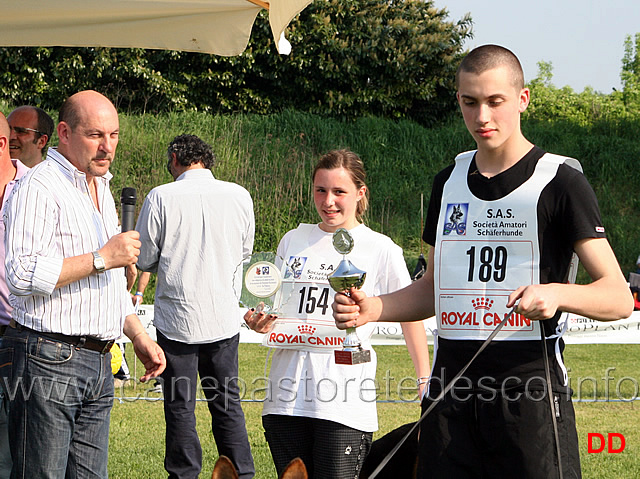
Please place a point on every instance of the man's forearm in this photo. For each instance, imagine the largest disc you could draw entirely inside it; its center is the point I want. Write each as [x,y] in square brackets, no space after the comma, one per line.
[133,327]
[413,303]
[75,269]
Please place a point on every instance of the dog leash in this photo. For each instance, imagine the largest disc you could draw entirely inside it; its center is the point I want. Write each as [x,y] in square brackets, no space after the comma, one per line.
[554,413]
[443,393]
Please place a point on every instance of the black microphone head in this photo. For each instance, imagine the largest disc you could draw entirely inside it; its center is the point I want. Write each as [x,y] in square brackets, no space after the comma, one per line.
[128,196]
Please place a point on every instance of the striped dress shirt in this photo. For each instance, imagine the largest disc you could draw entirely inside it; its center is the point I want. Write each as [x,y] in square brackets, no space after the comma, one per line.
[51,216]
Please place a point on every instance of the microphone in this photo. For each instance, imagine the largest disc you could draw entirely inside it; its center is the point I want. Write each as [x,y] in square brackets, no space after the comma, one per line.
[128,208]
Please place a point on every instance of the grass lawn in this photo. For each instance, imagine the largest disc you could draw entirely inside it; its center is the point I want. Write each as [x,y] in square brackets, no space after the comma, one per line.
[597,372]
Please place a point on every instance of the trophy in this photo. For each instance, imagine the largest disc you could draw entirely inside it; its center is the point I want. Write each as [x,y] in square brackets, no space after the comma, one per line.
[345,277]
[262,281]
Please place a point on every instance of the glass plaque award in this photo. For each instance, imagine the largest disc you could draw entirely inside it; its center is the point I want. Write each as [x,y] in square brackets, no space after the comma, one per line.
[263,274]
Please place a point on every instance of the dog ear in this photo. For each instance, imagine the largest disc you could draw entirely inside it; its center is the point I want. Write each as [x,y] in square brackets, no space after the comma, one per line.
[295,470]
[224,469]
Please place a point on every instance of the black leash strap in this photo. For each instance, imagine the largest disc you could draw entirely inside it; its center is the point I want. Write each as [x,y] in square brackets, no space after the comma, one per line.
[553,406]
[443,393]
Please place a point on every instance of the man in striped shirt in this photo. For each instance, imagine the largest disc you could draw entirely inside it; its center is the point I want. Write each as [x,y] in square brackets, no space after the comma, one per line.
[65,260]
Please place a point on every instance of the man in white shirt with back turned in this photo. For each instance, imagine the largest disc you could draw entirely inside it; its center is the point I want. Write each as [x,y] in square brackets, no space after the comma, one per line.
[194,233]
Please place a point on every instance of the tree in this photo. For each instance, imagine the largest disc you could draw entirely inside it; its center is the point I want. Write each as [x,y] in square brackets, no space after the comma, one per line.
[379,57]
[544,77]
[46,76]
[551,104]
[388,58]
[630,75]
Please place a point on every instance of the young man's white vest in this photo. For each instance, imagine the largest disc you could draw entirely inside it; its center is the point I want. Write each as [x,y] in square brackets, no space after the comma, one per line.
[485,250]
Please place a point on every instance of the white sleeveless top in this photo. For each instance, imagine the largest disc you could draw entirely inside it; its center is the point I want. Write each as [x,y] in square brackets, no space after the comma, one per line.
[485,250]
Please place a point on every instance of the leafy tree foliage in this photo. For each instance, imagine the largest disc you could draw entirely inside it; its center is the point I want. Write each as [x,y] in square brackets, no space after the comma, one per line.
[384,58]
[350,58]
[46,76]
[630,75]
[551,104]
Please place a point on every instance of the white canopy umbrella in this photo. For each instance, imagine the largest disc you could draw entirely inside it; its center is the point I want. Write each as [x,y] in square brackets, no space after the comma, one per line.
[221,27]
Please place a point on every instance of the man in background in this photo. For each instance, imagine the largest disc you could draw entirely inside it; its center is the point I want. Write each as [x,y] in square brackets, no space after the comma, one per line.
[195,233]
[10,172]
[31,130]
[65,260]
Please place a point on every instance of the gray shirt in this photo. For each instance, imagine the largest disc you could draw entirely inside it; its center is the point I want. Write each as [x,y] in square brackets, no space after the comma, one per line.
[195,233]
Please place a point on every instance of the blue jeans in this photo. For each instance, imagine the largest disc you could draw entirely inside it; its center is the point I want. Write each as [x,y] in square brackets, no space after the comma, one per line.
[60,404]
[217,364]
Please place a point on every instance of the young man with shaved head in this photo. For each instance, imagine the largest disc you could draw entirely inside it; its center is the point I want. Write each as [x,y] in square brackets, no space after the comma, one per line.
[31,130]
[504,224]
[65,260]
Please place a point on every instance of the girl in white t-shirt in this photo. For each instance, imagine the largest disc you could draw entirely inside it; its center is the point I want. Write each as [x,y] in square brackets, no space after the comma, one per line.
[315,409]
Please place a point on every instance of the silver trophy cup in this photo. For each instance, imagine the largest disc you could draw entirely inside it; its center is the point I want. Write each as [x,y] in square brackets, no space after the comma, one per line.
[345,277]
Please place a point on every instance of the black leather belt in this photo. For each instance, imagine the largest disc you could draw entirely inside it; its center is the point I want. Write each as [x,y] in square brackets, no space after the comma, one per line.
[80,342]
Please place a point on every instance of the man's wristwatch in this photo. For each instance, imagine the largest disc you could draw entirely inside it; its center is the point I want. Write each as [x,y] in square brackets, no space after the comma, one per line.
[98,262]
